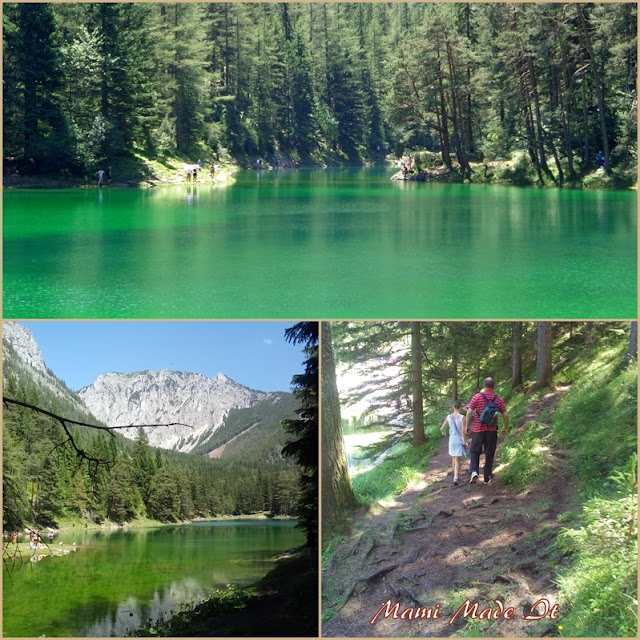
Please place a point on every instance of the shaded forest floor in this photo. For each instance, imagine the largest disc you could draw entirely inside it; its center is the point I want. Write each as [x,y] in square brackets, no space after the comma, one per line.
[443,544]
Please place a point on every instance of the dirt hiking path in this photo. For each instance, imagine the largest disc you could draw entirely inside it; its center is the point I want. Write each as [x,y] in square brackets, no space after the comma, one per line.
[441,544]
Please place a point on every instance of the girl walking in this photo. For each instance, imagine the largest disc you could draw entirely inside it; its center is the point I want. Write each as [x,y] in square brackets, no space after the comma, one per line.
[457,450]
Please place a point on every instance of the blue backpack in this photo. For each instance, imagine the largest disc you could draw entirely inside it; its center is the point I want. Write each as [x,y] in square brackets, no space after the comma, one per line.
[490,412]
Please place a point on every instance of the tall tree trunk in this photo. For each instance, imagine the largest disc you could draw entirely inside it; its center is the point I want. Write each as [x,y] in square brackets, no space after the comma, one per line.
[337,494]
[529,125]
[556,158]
[456,115]
[632,351]
[585,120]
[30,116]
[237,87]
[543,359]
[104,85]
[416,385]
[173,70]
[516,366]
[469,84]
[454,381]
[446,152]
[565,107]
[598,84]
[227,50]
[588,334]
[536,104]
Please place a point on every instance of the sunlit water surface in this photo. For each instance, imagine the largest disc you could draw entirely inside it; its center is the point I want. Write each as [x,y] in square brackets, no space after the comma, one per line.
[334,243]
[117,580]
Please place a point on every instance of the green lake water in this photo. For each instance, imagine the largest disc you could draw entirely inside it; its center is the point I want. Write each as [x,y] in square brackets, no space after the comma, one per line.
[335,243]
[115,581]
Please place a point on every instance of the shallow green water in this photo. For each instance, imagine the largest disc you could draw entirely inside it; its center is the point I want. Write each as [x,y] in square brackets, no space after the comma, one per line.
[339,243]
[116,580]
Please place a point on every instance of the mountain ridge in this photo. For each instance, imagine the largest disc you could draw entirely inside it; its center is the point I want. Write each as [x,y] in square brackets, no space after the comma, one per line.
[201,405]
[165,396]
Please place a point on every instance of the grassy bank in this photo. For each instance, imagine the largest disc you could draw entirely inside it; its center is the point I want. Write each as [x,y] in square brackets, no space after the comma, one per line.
[70,523]
[518,170]
[137,169]
[592,433]
[403,465]
[597,424]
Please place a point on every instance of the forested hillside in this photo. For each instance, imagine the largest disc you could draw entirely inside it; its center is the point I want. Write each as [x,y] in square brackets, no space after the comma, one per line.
[238,439]
[548,85]
[559,518]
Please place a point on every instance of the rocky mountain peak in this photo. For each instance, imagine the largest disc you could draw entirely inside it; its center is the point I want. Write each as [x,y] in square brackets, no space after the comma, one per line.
[24,344]
[161,397]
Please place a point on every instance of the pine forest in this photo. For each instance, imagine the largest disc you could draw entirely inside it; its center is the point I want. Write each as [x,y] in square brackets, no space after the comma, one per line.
[550,86]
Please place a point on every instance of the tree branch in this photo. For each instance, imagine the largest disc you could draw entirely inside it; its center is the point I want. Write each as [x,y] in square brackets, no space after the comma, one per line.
[65,422]
[62,420]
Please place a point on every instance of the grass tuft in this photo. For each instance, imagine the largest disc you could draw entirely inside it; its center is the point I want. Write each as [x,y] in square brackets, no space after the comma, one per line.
[597,419]
[392,476]
[600,588]
[524,458]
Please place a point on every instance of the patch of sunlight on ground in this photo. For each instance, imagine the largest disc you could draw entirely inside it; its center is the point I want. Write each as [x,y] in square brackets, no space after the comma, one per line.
[540,448]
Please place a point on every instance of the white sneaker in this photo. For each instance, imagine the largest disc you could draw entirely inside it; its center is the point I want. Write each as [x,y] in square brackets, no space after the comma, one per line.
[474,478]
[455,481]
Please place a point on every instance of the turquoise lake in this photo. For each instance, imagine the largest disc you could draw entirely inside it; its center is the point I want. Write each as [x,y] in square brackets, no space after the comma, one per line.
[334,243]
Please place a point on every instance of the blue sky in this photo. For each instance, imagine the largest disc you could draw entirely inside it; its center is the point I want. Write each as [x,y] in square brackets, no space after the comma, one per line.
[254,354]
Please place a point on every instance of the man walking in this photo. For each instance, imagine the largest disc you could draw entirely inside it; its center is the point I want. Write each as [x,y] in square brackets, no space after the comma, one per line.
[484,406]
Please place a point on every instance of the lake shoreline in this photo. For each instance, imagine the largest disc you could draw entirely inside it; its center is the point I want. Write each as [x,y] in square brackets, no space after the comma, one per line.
[57,549]
[139,524]
[502,172]
[23,551]
[121,579]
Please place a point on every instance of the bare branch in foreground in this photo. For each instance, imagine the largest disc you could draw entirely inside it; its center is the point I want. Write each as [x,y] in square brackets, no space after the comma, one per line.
[65,422]
[86,424]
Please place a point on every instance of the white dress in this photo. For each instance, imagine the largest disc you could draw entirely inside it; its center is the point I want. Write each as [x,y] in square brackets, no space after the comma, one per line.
[456,443]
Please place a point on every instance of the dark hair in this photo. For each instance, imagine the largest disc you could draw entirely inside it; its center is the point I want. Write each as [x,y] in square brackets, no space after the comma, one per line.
[457,404]
[488,383]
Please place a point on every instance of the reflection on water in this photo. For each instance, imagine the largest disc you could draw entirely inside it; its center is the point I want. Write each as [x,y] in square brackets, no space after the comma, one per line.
[119,578]
[130,614]
[343,243]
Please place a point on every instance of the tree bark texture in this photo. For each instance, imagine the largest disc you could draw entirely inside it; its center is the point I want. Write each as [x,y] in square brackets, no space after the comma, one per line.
[337,493]
[632,351]
[516,367]
[416,384]
[543,360]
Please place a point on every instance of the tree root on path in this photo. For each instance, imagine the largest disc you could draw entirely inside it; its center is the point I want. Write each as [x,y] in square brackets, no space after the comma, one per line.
[371,576]
[477,505]
[399,592]
[412,557]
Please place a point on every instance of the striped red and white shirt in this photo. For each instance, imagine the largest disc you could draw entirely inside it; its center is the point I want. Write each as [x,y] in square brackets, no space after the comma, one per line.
[479,403]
